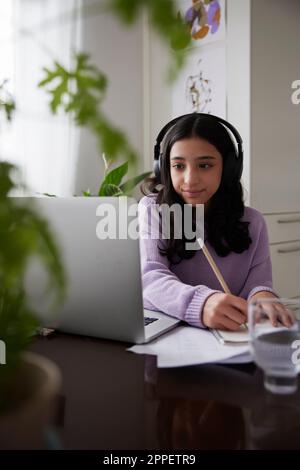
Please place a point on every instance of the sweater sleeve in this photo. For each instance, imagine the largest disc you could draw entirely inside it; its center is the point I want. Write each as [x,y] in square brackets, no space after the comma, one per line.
[162,289]
[260,274]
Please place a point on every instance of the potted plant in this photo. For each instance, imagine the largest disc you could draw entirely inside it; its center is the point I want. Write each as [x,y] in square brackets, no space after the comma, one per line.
[28,383]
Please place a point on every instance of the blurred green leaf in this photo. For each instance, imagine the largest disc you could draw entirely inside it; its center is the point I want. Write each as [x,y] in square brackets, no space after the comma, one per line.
[115,176]
[7,102]
[80,91]
[24,233]
[49,195]
[108,190]
[9,108]
[133,182]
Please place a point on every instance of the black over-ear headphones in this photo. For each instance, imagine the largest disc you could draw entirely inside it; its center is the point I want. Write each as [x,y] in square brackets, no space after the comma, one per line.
[234,161]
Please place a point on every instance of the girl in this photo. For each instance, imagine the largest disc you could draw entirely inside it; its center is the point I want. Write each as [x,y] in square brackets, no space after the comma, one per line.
[196,168]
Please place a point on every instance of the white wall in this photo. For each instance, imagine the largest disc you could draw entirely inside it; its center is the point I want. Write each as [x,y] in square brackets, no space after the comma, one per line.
[160,93]
[275,121]
[118,52]
[238,78]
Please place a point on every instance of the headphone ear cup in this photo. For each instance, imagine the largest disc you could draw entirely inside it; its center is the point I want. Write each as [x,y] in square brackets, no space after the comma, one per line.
[157,168]
[239,169]
[238,165]
[233,169]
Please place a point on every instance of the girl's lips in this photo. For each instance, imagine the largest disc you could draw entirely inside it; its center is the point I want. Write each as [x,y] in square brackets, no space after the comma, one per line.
[193,193]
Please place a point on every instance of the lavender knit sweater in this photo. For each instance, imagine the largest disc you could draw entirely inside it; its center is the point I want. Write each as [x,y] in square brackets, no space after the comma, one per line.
[181,290]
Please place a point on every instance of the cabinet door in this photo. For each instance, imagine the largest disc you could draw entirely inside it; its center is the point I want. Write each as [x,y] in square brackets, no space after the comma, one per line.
[283,227]
[286,268]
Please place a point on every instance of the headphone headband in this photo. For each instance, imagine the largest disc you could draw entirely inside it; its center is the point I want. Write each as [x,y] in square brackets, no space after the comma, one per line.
[225,123]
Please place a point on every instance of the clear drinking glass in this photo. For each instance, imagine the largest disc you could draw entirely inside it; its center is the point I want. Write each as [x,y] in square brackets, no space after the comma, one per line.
[276,349]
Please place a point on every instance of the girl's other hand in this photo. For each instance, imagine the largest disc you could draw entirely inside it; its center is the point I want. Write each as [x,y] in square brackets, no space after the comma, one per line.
[278,314]
[224,312]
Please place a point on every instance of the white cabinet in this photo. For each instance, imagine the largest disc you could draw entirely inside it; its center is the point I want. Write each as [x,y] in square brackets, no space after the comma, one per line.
[285,262]
[284,238]
[283,227]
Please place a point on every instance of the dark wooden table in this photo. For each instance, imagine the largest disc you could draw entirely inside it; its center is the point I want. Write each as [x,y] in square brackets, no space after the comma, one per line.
[113,399]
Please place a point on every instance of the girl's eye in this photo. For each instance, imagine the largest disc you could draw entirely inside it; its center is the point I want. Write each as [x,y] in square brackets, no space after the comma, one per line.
[178,166]
[205,166]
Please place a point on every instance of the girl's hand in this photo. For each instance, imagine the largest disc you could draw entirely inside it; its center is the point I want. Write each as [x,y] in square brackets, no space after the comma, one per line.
[224,312]
[278,314]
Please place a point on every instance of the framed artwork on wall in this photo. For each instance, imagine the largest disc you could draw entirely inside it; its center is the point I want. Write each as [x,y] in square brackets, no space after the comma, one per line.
[206,20]
[201,85]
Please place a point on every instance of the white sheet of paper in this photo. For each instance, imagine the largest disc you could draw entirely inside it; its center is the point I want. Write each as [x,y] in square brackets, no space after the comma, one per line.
[185,346]
[241,359]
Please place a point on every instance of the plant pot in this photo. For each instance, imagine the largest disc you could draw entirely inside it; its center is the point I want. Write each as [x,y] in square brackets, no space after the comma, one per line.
[33,390]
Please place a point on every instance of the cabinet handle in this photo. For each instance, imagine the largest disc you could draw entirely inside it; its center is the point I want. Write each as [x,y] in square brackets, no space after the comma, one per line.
[288,221]
[288,250]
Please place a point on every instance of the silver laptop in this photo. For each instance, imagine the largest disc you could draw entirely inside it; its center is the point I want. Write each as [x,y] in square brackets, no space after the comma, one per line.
[104,294]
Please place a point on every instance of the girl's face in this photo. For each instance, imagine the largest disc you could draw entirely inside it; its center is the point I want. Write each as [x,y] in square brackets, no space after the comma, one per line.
[196,170]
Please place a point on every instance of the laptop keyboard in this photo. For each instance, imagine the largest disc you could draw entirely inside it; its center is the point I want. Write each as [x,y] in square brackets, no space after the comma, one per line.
[149,320]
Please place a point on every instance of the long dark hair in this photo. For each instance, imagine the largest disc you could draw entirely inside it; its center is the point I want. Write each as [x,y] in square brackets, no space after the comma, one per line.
[225,230]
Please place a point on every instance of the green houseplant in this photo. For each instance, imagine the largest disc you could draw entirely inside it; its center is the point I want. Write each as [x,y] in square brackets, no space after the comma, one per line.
[27,383]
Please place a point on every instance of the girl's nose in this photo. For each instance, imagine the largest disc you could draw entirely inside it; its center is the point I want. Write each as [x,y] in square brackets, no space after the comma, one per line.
[190,176]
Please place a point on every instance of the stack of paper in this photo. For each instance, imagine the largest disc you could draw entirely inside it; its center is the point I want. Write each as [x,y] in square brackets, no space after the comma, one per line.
[185,346]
